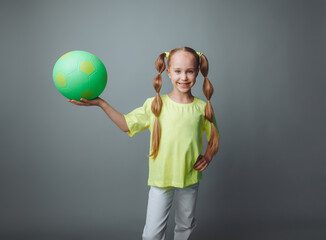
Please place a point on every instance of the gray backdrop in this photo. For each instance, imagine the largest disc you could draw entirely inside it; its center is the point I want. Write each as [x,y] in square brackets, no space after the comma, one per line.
[67,172]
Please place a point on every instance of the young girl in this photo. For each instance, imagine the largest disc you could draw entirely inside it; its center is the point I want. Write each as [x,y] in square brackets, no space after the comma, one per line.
[177,122]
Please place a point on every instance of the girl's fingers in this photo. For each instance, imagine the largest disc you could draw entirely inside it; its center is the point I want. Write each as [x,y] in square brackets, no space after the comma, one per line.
[201,165]
[198,163]
[203,168]
[199,160]
[89,102]
[73,101]
[83,103]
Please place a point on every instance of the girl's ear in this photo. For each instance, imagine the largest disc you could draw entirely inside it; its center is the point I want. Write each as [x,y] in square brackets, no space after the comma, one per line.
[168,72]
[197,71]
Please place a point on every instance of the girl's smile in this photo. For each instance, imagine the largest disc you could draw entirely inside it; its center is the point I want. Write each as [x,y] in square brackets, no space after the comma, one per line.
[184,85]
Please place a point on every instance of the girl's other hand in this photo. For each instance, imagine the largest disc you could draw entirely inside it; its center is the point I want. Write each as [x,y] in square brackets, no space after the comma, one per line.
[201,163]
[85,102]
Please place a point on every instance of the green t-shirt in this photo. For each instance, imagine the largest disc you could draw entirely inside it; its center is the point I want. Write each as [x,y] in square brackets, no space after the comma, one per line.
[182,128]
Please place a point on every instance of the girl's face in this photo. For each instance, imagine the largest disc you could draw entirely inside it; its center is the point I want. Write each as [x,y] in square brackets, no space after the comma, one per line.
[182,71]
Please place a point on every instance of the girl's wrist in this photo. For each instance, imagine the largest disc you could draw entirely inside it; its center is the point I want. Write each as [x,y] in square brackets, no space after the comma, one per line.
[207,157]
[101,103]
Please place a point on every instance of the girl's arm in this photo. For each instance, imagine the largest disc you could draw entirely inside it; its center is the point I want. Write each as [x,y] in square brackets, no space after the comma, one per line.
[113,114]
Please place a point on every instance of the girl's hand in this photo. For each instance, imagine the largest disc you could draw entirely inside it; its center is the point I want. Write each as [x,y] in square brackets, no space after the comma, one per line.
[85,102]
[201,163]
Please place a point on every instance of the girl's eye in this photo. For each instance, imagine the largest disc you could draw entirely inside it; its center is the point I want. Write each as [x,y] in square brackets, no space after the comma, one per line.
[190,71]
[177,71]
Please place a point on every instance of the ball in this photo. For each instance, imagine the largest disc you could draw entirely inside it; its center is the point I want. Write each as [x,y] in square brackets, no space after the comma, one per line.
[79,74]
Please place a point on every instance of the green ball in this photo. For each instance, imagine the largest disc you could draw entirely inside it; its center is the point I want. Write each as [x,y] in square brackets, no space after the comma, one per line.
[79,74]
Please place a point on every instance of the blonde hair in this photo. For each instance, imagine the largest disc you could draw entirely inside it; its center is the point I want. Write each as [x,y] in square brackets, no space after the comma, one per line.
[208,89]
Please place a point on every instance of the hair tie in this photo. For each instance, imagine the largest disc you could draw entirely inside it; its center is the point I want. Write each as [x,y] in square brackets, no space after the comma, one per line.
[199,54]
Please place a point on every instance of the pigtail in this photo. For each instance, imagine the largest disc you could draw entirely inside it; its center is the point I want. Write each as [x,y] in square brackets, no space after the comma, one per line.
[208,89]
[157,105]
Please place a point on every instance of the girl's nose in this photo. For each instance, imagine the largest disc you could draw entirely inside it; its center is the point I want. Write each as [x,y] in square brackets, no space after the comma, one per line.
[183,76]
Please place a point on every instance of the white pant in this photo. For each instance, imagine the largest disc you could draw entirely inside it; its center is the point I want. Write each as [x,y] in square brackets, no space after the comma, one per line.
[158,208]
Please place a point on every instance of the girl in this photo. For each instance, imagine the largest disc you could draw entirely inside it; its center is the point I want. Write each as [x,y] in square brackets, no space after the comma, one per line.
[177,122]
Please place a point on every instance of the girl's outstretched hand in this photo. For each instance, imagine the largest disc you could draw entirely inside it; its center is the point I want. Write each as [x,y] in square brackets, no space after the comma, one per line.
[201,163]
[85,102]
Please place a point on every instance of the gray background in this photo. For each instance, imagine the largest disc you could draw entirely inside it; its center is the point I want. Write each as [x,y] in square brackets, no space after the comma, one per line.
[67,172]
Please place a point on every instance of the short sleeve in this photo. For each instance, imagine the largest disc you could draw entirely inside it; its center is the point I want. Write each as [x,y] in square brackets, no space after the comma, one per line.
[208,128]
[139,119]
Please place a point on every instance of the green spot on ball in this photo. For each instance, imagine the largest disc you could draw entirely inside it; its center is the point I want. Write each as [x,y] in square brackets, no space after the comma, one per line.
[87,94]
